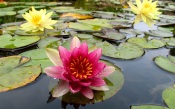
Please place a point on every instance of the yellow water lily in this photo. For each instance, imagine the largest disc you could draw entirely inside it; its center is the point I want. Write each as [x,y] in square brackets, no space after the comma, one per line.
[37,20]
[146,11]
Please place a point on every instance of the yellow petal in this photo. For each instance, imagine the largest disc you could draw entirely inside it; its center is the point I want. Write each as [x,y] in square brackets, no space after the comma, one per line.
[143,17]
[134,8]
[138,18]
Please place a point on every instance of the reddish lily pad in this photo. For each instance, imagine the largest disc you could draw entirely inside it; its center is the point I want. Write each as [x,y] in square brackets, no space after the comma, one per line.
[115,82]
[13,75]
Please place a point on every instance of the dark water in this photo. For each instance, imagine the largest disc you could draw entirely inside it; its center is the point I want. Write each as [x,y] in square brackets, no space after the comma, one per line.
[144,83]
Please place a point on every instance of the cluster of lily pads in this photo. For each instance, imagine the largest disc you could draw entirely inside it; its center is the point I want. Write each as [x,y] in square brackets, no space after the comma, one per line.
[113,32]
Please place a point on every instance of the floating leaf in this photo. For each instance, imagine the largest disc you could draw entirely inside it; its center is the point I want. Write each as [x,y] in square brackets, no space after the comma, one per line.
[148,107]
[97,22]
[165,63]
[168,96]
[13,75]
[110,34]
[16,42]
[84,27]
[159,33]
[123,51]
[38,57]
[153,43]
[7,13]
[131,31]
[115,81]
[169,41]
[49,42]
[23,33]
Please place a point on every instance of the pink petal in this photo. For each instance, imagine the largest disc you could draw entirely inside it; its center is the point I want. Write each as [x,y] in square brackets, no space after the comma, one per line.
[101,88]
[74,43]
[54,56]
[97,68]
[106,72]
[95,55]
[87,92]
[86,82]
[83,50]
[55,72]
[61,89]
[65,55]
[74,87]
[97,82]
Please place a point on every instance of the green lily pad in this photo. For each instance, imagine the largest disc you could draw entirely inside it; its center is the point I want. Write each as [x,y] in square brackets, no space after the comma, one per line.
[159,33]
[13,75]
[38,57]
[169,41]
[153,43]
[115,82]
[167,29]
[84,27]
[110,35]
[23,33]
[131,31]
[165,63]
[49,42]
[97,22]
[7,13]
[16,42]
[123,51]
[168,96]
[148,107]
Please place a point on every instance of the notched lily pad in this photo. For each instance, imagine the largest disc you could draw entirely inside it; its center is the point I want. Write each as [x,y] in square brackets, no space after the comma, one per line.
[38,57]
[165,63]
[159,33]
[23,33]
[169,41]
[115,81]
[110,34]
[13,75]
[151,44]
[168,96]
[123,51]
[16,42]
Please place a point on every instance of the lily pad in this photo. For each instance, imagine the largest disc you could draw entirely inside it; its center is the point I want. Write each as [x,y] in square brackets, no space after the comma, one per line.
[166,63]
[148,107]
[49,42]
[23,33]
[110,34]
[123,51]
[159,33]
[7,13]
[168,96]
[153,43]
[38,57]
[115,81]
[169,41]
[131,31]
[97,22]
[84,27]
[13,75]
[16,42]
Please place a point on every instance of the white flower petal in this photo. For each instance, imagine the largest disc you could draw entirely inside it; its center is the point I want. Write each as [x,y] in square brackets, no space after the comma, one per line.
[54,56]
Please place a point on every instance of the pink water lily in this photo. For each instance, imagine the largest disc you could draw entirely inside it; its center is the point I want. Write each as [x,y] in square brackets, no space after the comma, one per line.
[78,69]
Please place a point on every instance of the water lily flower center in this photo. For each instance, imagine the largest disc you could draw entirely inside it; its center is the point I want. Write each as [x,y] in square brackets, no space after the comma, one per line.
[81,68]
[36,19]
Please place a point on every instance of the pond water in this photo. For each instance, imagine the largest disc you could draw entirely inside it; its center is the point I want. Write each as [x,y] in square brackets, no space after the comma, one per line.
[144,83]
